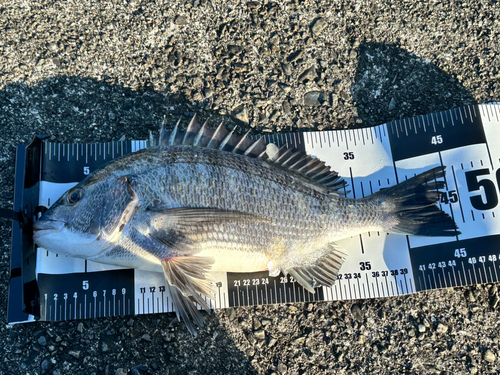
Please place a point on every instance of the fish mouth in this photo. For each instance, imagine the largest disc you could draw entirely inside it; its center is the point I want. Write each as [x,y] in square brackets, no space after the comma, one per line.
[43,227]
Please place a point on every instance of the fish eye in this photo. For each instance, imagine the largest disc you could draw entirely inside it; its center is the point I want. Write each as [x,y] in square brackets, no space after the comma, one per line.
[74,195]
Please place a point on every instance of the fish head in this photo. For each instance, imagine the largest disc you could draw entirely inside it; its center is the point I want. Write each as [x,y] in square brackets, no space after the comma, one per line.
[87,219]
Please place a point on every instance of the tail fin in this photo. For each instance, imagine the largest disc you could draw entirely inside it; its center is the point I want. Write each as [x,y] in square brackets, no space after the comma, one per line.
[415,208]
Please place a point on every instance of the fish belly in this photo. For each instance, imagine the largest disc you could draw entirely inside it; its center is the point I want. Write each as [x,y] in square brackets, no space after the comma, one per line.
[233,259]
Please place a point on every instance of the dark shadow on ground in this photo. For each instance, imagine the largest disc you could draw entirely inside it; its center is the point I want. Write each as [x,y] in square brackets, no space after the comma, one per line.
[74,109]
[392,83]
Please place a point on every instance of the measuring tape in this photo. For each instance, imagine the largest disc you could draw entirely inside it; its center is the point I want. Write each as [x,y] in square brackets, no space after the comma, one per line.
[466,140]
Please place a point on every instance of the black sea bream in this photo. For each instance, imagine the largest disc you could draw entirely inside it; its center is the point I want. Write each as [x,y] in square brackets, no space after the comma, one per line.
[206,200]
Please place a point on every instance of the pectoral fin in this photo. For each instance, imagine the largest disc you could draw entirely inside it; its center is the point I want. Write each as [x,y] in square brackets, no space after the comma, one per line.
[174,240]
[322,273]
[188,285]
[171,227]
[180,216]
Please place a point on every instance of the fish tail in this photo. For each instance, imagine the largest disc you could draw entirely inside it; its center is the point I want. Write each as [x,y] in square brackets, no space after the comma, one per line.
[413,208]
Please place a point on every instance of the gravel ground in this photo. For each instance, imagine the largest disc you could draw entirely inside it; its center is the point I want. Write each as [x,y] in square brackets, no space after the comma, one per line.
[96,70]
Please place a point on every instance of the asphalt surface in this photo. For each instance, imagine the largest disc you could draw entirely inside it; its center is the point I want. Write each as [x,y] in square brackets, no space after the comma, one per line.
[91,71]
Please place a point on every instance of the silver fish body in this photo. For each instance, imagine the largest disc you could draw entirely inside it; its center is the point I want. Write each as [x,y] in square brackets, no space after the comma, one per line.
[185,210]
[251,214]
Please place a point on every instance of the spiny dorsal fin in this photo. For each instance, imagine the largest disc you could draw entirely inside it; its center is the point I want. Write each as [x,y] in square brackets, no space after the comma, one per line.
[222,139]
[191,131]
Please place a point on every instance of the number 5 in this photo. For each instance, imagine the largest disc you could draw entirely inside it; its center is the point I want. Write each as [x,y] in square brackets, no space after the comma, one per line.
[86,170]
[473,184]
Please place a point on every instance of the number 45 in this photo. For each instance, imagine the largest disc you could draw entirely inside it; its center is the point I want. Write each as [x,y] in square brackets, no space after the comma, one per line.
[437,140]
[449,197]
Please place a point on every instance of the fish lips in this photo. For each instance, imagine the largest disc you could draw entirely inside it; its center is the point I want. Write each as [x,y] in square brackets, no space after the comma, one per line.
[44,227]
[53,235]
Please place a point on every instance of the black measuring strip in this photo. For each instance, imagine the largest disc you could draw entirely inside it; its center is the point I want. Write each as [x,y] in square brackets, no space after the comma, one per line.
[436,132]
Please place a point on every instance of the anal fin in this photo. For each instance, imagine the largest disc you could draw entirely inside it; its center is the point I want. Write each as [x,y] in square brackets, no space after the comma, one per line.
[322,273]
[188,285]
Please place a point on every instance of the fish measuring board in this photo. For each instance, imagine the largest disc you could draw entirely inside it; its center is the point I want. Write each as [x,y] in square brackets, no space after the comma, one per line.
[466,140]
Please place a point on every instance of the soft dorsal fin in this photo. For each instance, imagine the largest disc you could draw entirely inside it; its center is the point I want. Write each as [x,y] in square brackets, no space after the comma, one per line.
[220,138]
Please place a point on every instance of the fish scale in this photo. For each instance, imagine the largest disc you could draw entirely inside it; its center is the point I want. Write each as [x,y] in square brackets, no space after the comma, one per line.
[234,205]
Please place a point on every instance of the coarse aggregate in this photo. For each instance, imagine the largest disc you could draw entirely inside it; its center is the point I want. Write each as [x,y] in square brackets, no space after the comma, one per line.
[91,71]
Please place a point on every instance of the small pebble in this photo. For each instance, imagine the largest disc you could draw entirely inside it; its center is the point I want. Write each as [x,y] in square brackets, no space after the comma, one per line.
[357,314]
[308,75]
[294,56]
[271,342]
[494,301]
[79,327]
[314,98]
[469,296]
[392,104]
[234,49]
[260,334]
[42,341]
[318,26]
[232,313]
[208,93]
[135,370]
[493,289]
[181,20]
[489,356]
[241,113]
[362,339]
[251,339]
[421,328]
[45,366]
[256,324]
[299,341]
[265,322]
[282,368]
[287,108]
[441,328]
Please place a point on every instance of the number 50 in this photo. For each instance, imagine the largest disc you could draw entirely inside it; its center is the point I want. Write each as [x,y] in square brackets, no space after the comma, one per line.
[473,184]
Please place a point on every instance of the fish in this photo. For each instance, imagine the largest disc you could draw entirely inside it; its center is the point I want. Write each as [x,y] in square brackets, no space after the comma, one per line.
[201,200]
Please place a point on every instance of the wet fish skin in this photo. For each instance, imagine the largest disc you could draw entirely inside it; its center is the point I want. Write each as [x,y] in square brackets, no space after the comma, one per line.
[185,211]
